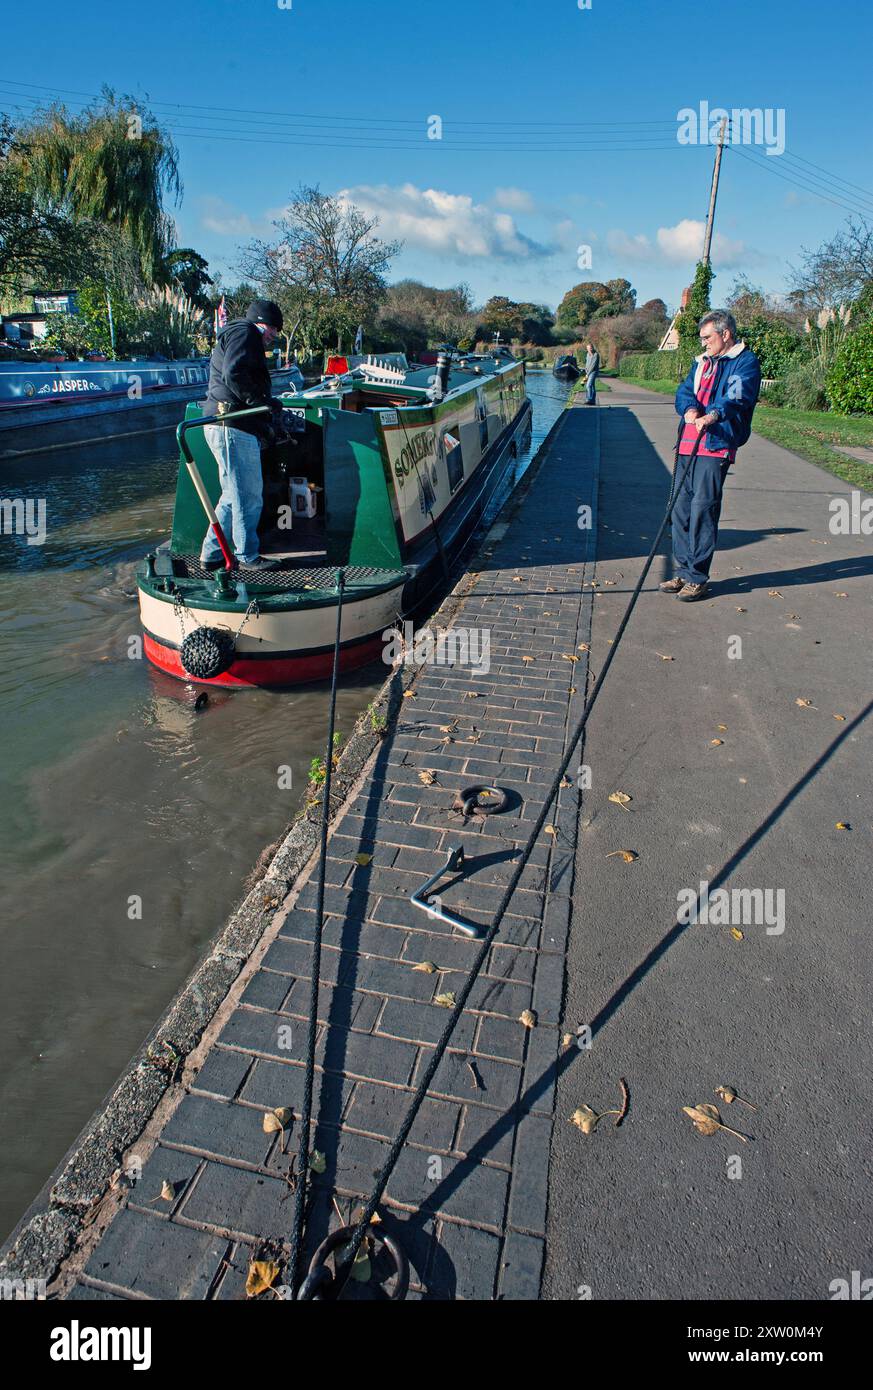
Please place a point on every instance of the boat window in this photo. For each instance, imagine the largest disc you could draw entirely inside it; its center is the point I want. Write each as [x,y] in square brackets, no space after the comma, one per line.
[450,447]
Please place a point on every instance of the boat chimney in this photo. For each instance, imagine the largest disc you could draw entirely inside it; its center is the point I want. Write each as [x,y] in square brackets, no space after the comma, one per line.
[441,377]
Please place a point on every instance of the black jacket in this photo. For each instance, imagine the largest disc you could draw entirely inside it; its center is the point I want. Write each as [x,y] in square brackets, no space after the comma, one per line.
[239,376]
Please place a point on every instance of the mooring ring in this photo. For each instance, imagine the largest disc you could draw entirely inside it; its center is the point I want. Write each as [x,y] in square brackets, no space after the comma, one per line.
[486,801]
[320,1276]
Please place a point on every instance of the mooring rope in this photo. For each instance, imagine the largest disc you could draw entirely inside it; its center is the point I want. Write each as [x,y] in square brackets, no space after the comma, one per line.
[333,1288]
[306,1112]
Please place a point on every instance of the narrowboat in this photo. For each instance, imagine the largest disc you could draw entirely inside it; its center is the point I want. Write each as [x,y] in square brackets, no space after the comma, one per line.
[385,482]
[45,404]
[566,367]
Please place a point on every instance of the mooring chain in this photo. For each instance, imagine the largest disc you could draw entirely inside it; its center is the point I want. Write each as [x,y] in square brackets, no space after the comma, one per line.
[332,1287]
[315,968]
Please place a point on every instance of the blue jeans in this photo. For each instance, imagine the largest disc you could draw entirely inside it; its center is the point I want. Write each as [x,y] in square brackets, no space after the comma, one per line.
[239,507]
[695,517]
[590,397]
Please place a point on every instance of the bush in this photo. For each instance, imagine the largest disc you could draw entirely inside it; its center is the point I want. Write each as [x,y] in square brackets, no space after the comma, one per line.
[850,379]
[804,385]
[650,366]
[774,344]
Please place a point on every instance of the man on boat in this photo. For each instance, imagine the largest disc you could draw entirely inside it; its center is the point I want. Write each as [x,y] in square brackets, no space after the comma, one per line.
[239,378]
[716,399]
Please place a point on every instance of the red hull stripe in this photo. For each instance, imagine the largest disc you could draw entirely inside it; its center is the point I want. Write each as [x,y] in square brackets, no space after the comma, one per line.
[270,671]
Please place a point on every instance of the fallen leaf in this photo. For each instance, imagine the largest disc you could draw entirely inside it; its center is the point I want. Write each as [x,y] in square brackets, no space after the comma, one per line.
[261,1276]
[774,593]
[567,1039]
[363,860]
[276,1120]
[736,934]
[446,1001]
[583,647]
[527,660]
[168,1191]
[621,799]
[742,610]
[716,742]
[409,694]
[565,656]
[317,1161]
[841,825]
[706,1120]
[841,717]
[723,727]
[585,1119]
[549,830]
[428,778]
[841,595]
[804,704]
[426,967]
[628,855]
[528,1018]
[729,1095]
[664,656]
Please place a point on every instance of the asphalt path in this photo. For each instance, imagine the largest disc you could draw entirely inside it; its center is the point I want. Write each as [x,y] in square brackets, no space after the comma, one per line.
[736,784]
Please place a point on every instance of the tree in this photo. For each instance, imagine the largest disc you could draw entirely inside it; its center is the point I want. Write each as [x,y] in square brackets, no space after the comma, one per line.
[537,322]
[326,267]
[413,316]
[110,164]
[839,271]
[500,315]
[690,316]
[580,303]
[185,269]
[37,246]
[656,307]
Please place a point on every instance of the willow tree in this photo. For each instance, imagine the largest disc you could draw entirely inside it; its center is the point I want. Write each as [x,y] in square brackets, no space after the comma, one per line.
[110,165]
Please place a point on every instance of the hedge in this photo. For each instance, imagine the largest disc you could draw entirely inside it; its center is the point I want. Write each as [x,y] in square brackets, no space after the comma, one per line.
[649,366]
[850,380]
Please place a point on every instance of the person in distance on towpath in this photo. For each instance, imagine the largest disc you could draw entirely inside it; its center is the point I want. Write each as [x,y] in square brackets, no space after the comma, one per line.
[716,399]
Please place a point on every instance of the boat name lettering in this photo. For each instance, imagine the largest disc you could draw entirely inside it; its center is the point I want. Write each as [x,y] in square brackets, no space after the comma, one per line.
[73,383]
[419,446]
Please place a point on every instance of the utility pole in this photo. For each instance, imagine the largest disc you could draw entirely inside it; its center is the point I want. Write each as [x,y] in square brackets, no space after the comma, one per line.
[707,240]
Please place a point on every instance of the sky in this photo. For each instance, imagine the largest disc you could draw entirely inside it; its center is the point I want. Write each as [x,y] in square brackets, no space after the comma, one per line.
[519,146]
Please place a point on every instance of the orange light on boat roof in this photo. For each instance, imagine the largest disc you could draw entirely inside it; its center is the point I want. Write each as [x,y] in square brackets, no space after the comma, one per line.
[337,366]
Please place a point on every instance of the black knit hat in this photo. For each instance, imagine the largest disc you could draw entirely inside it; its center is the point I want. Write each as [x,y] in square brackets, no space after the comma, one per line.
[265,311]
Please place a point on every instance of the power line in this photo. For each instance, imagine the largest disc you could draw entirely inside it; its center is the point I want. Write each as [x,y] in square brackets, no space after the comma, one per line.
[762,162]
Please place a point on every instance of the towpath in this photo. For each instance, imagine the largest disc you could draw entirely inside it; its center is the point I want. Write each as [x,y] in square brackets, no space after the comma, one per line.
[741,761]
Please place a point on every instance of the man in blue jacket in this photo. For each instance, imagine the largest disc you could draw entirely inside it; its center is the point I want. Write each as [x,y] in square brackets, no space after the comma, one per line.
[716,399]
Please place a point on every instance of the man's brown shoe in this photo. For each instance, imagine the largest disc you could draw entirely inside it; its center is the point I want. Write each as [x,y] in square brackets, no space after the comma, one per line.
[672,586]
[692,593]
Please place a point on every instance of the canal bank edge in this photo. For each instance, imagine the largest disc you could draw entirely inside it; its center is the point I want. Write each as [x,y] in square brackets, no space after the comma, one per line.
[87,1185]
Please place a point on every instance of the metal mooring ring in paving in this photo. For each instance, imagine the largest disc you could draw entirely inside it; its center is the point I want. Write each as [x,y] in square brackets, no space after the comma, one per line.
[482,801]
[393,1283]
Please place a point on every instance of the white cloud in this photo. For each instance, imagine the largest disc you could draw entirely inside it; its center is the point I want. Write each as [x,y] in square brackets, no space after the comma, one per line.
[682,244]
[515,199]
[447,224]
[218,216]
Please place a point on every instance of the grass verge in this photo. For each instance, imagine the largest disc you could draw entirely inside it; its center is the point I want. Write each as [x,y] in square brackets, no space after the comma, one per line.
[809,433]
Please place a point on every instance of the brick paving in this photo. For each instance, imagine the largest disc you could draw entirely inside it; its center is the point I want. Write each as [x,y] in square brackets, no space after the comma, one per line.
[468,1198]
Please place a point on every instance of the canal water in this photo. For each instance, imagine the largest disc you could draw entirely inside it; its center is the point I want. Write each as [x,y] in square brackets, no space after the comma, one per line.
[113,787]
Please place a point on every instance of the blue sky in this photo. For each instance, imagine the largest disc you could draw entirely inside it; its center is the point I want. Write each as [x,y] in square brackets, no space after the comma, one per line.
[559,125]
